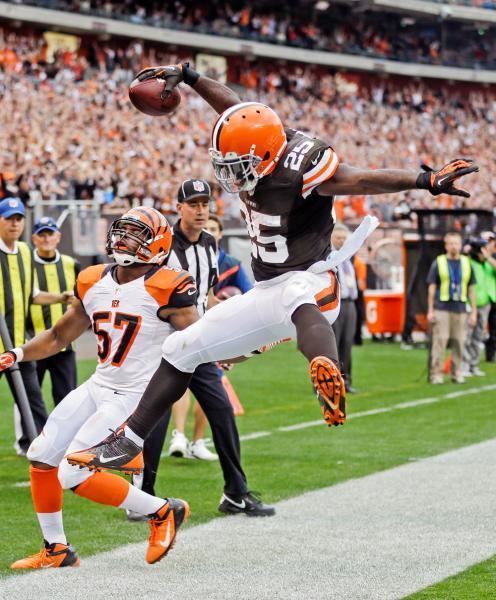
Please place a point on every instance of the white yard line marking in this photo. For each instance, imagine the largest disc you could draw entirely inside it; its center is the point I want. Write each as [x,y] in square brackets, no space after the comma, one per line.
[381,537]
[367,413]
[386,409]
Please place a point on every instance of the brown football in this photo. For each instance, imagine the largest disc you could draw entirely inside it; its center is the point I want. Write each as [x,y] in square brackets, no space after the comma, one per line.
[145,96]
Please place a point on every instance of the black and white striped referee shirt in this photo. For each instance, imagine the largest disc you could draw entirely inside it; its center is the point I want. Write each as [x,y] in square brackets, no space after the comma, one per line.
[198,258]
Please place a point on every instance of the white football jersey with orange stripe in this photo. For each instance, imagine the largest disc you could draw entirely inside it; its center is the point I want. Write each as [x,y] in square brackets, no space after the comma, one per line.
[124,319]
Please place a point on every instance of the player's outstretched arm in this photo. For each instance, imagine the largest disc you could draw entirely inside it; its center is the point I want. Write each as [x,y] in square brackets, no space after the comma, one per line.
[69,327]
[351,180]
[218,95]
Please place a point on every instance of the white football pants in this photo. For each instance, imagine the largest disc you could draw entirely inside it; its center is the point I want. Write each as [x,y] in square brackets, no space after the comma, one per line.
[244,323]
[82,419]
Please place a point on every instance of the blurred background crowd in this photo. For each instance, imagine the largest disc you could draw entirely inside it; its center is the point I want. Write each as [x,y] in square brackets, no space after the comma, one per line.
[69,130]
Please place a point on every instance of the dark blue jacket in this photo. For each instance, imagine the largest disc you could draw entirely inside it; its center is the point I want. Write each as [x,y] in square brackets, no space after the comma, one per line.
[231,272]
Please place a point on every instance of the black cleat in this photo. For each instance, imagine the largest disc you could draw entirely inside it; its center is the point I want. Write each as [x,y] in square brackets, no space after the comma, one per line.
[115,453]
[247,504]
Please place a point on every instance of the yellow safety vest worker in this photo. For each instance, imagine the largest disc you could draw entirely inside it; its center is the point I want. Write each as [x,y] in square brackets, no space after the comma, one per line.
[445,278]
[54,277]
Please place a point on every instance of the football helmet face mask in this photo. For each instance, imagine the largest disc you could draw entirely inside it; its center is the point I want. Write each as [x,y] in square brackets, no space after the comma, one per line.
[140,236]
[248,141]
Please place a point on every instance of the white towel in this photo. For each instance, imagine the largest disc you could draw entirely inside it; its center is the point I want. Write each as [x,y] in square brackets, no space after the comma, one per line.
[349,248]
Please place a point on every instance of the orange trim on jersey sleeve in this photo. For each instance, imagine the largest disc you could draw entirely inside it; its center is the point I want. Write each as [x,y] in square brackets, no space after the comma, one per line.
[87,279]
[322,175]
[162,283]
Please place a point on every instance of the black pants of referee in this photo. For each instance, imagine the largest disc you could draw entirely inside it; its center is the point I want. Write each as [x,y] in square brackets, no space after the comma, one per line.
[344,329]
[33,392]
[210,394]
[63,373]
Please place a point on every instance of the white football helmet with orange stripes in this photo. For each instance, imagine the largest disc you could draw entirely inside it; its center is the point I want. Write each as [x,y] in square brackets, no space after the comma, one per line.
[248,140]
[142,235]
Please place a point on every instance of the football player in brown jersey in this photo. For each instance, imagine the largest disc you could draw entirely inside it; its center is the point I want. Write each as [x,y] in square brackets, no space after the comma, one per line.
[286,181]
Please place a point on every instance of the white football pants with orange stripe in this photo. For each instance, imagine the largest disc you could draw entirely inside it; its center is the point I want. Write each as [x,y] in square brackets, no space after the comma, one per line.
[82,419]
[244,323]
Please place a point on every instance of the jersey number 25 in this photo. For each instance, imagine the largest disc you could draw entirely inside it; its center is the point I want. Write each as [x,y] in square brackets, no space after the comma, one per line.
[261,244]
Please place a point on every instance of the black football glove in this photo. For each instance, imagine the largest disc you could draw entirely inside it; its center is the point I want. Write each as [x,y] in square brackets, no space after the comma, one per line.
[172,74]
[442,181]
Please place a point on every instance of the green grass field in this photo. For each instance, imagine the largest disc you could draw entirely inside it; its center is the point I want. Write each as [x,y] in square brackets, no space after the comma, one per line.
[275,392]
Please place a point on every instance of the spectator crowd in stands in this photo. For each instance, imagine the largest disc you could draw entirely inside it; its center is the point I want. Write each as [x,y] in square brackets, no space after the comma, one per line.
[69,130]
[334,28]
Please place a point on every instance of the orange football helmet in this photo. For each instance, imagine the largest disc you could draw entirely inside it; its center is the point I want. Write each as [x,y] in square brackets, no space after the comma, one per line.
[142,235]
[248,141]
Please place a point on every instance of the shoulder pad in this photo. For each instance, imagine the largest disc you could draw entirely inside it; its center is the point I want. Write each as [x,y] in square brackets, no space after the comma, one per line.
[88,277]
[165,281]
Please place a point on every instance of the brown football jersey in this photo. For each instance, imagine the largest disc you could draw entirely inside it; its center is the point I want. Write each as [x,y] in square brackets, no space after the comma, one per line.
[288,222]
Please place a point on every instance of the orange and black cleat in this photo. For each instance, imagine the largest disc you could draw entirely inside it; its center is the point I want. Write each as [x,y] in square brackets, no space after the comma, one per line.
[51,556]
[115,453]
[331,392]
[163,528]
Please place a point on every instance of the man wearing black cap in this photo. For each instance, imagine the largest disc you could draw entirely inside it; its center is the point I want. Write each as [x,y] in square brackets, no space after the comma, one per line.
[194,250]
[17,294]
[53,273]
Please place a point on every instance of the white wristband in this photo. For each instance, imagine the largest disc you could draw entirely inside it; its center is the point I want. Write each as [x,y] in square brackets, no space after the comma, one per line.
[19,352]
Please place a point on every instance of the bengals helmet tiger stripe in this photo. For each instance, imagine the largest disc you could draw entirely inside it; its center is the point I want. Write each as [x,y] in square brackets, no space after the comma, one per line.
[142,235]
[248,140]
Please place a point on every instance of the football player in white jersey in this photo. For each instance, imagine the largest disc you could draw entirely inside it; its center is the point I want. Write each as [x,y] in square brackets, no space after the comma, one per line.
[132,306]
[286,180]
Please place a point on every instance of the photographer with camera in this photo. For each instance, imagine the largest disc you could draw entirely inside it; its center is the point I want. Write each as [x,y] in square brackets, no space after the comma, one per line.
[484,268]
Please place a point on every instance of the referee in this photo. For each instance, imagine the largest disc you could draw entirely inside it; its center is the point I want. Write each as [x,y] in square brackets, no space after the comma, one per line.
[53,273]
[17,293]
[194,250]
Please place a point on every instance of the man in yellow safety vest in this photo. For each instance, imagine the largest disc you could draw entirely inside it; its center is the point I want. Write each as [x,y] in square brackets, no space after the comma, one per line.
[451,286]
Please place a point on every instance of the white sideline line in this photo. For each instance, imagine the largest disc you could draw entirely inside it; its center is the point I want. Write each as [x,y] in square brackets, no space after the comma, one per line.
[435,517]
[254,436]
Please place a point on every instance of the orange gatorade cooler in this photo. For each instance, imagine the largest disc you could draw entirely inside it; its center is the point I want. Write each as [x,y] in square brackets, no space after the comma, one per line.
[384,311]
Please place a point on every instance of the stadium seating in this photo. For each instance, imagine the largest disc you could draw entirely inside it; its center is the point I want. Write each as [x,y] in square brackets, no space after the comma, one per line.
[419,37]
[70,131]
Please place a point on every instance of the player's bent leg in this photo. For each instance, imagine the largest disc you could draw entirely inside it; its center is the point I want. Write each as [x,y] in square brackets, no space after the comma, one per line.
[46,492]
[166,515]
[88,451]
[45,453]
[317,342]
[316,307]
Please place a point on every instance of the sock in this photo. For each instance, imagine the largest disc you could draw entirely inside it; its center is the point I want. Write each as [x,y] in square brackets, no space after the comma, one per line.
[112,490]
[141,502]
[314,334]
[158,398]
[46,492]
[129,433]
[104,488]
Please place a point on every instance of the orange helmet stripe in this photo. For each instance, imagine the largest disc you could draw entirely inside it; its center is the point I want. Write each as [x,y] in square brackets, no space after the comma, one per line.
[150,215]
[225,116]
